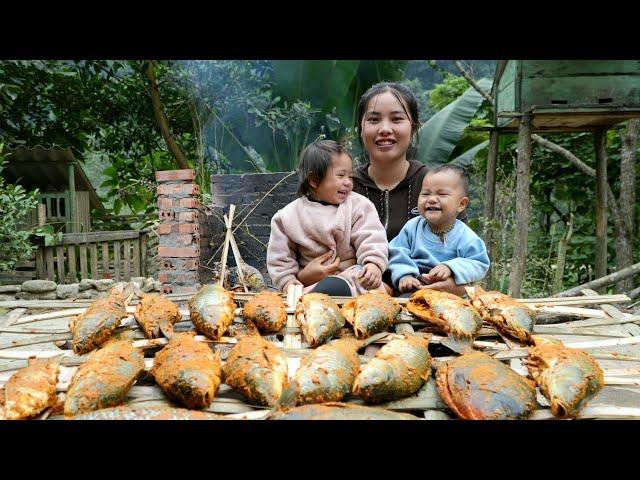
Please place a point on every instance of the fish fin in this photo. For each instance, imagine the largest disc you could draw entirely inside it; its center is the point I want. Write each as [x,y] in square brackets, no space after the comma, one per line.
[288,398]
[373,338]
[166,328]
[458,345]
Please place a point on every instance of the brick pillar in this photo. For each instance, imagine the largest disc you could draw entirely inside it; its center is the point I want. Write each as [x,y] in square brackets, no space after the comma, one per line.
[179,230]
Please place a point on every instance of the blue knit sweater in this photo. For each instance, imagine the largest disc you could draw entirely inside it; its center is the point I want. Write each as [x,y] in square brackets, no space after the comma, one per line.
[417,250]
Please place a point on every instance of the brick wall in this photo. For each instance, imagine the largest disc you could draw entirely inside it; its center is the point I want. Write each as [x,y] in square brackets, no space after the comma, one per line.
[179,249]
[245,190]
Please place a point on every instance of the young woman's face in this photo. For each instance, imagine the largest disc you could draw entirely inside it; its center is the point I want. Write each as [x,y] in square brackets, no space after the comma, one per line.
[337,182]
[386,128]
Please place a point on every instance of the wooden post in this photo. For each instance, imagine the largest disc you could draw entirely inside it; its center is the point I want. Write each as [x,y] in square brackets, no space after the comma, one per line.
[600,138]
[490,199]
[523,207]
[72,197]
[42,219]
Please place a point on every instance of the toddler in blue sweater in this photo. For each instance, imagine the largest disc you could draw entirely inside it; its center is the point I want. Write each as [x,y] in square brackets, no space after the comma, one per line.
[435,246]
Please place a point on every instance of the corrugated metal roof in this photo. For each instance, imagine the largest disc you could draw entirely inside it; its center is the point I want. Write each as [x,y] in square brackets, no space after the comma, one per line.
[46,169]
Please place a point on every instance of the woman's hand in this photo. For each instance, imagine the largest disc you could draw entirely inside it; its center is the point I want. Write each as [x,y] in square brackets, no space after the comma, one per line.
[315,271]
[370,276]
[408,283]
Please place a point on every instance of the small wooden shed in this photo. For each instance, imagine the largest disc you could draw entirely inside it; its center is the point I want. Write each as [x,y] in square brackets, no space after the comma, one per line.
[544,96]
[64,188]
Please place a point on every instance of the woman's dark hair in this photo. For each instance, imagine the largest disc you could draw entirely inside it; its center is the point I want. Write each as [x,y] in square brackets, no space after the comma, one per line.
[314,163]
[404,96]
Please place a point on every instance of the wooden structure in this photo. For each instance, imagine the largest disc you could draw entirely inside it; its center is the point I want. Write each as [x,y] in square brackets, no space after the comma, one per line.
[592,323]
[551,96]
[63,186]
[119,255]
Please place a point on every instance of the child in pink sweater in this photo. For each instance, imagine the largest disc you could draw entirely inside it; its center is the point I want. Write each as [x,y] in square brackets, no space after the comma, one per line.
[330,239]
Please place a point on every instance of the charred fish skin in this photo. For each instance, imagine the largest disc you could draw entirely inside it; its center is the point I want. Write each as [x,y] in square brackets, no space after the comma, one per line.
[338,411]
[475,386]
[31,389]
[147,413]
[188,371]
[92,328]
[212,310]
[509,316]
[257,369]
[398,370]
[327,373]
[371,313]
[319,317]
[156,314]
[267,311]
[449,313]
[104,379]
[567,377]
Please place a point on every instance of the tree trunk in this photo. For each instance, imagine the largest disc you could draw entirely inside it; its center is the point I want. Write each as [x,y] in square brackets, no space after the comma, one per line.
[161,119]
[604,281]
[600,137]
[562,254]
[523,206]
[627,201]
[489,202]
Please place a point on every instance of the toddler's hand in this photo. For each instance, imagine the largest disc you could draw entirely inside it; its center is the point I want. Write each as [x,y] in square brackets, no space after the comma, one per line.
[370,276]
[437,273]
[408,283]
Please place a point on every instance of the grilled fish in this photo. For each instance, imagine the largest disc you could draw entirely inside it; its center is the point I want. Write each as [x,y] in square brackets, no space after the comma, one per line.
[510,317]
[371,313]
[450,314]
[475,386]
[319,317]
[398,370]
[257,369]
[338,411]
[92,328]
[267,311]
[147,413]
[31,389]
[104,379]
[188,371]
[212,310]
[326,374]
[156,316]
[567,377]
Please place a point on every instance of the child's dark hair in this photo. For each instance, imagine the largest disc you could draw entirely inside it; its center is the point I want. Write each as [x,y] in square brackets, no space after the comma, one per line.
[461,171]
[314,163]
[404,96]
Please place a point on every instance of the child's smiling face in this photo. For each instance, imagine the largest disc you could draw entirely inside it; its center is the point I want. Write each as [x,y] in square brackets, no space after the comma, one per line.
[441,199]
[337,182]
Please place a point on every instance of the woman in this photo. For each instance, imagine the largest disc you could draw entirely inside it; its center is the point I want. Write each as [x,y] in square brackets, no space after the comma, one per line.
[387,126]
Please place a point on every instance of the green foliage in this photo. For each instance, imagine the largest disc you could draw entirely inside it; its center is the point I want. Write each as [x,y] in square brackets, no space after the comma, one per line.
[448,91]
[15,204]
[48,235]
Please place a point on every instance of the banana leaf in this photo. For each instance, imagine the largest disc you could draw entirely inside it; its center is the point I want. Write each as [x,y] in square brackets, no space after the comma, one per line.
[442,132]
[467,157]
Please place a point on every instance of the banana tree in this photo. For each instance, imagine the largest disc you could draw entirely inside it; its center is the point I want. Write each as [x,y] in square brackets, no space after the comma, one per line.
[442,132]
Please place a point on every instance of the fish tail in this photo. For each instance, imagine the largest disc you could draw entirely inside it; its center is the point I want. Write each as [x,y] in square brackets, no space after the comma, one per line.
[458,345]
[288,398]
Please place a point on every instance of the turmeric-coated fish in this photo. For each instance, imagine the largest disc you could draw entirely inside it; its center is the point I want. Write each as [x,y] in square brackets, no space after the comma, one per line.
[398,370]
[450,314]
[92,328]
[156,316]
[257,369]
[476,386]
[147,413]
[267,311]
[105,378]
[188,371]
[212,310]
[338,411]
[371,313]
[567,377]
[319,317]
[507,315]
[31,389]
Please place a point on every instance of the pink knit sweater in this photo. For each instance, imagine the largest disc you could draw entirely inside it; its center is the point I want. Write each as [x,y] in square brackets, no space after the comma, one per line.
[304,230]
